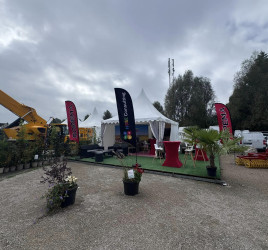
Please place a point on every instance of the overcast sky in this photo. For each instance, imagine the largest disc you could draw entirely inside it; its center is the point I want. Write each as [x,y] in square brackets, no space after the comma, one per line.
[52,51]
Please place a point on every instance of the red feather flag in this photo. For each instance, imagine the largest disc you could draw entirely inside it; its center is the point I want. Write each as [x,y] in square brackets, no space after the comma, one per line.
[224,118]
[72,121]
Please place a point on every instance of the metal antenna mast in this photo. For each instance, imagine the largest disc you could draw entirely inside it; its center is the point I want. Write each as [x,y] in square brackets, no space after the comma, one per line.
[173,70]
[169,72]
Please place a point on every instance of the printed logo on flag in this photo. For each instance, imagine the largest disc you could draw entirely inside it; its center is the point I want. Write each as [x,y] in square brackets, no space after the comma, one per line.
[126,116]
[72,121]
[224,118]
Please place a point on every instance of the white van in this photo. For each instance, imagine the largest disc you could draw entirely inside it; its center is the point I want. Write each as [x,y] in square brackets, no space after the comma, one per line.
[253,139]
[215,127]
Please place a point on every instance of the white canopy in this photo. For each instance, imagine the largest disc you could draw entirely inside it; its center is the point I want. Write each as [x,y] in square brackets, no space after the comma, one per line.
[93,121]
[144,112]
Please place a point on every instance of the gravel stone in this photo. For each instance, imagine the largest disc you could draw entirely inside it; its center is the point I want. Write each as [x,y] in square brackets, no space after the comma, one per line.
[168,213]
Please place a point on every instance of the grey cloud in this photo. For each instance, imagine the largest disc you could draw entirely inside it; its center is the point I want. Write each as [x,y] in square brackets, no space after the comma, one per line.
[81,50]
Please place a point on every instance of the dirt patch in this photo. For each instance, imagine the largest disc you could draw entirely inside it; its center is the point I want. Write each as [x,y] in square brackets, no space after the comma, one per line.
[236,175]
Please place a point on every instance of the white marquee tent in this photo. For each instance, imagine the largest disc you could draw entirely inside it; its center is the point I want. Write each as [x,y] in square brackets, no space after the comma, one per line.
[145,113]
[93,121]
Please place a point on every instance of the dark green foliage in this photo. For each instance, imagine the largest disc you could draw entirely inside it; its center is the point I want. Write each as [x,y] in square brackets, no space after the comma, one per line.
[217,143]
[37,147]
[159,107]
[21,150]
[23,146]
[4,156]
[56,141]
[85,142]
[86,116]
[191,135]
[106,115]
[57,173]
[190,100]
[55,196]
[60,180]
[2,134]
[56,121]
[13,154]
[248,104]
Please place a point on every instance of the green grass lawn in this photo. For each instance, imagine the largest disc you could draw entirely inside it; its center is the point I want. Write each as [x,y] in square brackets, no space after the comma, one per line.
[148,163]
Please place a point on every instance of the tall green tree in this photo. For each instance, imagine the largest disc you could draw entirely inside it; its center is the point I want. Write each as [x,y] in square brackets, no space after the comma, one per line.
[106,115]
[248,104]
[86,116]
[189,100]
[159,107]
[57,121]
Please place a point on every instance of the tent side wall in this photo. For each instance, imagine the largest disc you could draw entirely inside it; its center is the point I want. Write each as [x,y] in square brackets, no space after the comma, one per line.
[109,136]
[174,132]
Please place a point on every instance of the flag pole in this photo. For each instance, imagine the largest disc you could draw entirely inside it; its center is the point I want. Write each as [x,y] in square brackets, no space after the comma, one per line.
[136,150]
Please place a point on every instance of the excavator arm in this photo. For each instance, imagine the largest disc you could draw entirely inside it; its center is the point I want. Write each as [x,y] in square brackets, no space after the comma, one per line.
[36,124]
[24,112]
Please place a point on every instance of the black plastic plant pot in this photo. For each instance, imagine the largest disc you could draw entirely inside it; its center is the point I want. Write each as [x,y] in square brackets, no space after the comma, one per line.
[131,188]
[211,171]
[71,197]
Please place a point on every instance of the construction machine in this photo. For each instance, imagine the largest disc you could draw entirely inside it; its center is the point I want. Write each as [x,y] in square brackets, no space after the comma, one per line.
[36,126]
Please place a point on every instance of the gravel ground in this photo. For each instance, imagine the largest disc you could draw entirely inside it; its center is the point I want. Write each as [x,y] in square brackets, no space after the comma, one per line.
[168,213]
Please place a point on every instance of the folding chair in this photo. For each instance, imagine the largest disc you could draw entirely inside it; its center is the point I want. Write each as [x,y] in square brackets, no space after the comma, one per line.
[189,152]
[158,152]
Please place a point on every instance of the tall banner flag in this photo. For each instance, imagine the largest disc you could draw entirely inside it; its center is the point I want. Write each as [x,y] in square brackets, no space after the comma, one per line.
[126,116]
[72,121]
[224,118]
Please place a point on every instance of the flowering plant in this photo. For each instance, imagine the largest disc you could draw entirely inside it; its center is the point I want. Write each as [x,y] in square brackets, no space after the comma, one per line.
[60,181]
[130,174]
[71,181]
[136,176]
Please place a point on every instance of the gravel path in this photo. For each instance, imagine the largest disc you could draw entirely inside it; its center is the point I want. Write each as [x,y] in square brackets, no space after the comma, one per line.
[168,213]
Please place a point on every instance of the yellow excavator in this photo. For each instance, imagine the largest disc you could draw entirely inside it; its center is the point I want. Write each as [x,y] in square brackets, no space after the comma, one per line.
[36,125]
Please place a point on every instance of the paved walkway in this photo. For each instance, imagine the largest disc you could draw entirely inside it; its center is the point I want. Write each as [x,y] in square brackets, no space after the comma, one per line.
[169,213]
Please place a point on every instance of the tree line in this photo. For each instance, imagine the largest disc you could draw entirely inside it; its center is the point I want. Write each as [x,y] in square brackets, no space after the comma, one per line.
[248,103]
[190,99]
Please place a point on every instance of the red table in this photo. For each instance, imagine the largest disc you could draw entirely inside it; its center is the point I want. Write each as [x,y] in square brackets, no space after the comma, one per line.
[152,149]
[172,154]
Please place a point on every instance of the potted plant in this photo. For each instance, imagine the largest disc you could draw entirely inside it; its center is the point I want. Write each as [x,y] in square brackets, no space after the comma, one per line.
[36,147]
[56,142]
[5,156]
[191,135]
[26,158]
[34,161]
[62,186]
[131,180]
[131,177]
[216,143]
[12,163]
